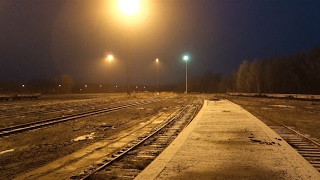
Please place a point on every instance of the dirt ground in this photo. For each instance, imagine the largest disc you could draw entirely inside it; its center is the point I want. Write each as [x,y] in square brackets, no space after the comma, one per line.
[23,152]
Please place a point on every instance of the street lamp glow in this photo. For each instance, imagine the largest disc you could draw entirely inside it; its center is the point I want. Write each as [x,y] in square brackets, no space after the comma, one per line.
[110,57]
[185,58]
[128,7]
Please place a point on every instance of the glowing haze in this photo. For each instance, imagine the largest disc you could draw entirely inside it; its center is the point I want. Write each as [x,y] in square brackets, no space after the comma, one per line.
[128,7]
[45,39]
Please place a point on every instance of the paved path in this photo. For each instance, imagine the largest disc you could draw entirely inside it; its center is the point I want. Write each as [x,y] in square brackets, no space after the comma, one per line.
[224,141]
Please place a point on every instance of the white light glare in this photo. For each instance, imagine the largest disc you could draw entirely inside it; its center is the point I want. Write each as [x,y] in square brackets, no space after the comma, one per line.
[128,7]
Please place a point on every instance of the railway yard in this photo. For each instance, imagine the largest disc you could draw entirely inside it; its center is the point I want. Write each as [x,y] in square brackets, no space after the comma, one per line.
[98,136]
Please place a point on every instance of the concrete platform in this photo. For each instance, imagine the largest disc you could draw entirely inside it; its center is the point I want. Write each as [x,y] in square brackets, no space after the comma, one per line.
[225,141]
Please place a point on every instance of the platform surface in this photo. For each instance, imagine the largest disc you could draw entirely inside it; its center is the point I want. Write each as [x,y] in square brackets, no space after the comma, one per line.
[224,141]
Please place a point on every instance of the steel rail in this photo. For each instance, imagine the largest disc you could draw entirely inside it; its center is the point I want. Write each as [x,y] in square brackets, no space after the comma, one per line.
[56,110]
[288,128]
[33,125]
[133,145]
[306,147]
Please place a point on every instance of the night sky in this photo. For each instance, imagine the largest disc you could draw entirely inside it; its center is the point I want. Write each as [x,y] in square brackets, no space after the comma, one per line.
[47,38]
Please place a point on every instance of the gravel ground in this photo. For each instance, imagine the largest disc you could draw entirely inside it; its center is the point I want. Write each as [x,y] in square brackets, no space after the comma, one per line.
[23,152]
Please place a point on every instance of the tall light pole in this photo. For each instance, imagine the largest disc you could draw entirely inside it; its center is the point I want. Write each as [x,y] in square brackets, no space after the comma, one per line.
[128,7]
[186,59]
[157,61]
[109,59]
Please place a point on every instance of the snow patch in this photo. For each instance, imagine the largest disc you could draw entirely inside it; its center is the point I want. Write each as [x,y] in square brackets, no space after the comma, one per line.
[84,137]
[6,151]
[282,106]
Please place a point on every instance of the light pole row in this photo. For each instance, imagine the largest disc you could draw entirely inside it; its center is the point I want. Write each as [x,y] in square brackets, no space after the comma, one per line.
[185,58]
[109,58]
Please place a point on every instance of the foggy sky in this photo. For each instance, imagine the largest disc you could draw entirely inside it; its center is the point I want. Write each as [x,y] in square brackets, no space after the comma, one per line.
[44,39]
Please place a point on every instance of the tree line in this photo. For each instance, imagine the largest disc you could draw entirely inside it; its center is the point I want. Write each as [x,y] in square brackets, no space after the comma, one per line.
[296,74]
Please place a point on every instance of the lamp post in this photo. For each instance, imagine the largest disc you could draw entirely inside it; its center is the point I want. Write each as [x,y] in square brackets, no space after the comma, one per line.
[157,61]
[186,59]
[128,7]
[109,58]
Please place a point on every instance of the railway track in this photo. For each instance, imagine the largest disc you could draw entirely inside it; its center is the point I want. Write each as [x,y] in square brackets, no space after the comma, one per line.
[38,124]
[130,160]
[55,110]
[306,147]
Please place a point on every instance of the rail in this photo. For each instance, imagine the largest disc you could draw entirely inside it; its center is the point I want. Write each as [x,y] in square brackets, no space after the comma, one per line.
[33,125]
[139,142]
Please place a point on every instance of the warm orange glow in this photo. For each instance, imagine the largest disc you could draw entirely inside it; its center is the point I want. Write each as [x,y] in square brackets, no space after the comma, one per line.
[128,7]
[139,19]
[110,57]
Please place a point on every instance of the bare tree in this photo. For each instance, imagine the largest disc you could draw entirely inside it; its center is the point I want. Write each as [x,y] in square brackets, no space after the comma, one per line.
[242,78]
[254,76]
[313,69]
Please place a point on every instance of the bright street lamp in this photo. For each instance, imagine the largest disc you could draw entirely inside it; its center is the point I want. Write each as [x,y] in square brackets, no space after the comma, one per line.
[128,7]
[186,59]
[157,61]
[110,58]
